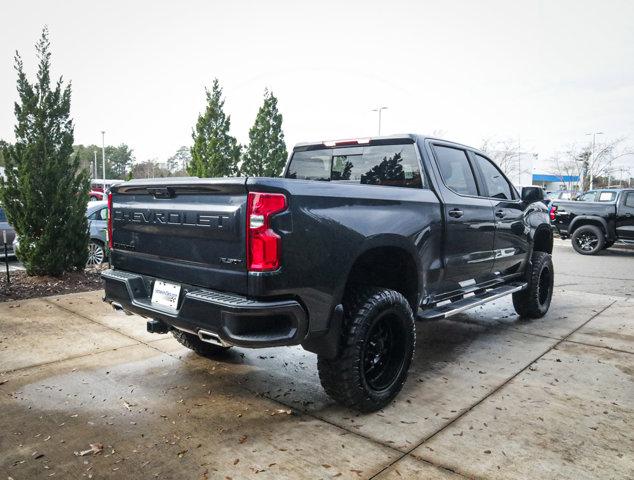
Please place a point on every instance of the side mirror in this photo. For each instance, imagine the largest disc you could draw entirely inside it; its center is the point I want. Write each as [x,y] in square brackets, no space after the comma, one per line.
[532,194]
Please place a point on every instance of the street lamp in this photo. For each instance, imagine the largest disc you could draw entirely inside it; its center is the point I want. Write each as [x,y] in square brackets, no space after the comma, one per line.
[378,109]
[103,155]
[594,137]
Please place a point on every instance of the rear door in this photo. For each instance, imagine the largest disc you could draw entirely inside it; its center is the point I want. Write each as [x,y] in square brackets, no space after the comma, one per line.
[190,231]
[625,216]
[511,240]
[470,226]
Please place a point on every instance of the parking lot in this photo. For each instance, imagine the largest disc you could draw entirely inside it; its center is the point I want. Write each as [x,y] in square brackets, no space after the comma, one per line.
[87,393]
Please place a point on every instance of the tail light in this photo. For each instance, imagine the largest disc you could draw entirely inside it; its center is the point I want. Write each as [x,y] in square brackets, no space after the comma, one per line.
[110,221]
[552,212]
[263,244]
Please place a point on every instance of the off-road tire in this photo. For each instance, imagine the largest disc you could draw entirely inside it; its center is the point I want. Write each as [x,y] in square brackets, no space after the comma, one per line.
[194,343]
[591,231]
[344,378]
[534,301]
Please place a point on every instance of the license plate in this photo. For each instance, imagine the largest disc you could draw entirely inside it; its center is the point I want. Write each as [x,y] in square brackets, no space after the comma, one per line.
[166,294]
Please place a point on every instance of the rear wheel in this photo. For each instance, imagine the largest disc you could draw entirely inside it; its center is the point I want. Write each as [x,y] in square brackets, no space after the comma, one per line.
[194,343]
[588,240]
[375,352]
[534,301]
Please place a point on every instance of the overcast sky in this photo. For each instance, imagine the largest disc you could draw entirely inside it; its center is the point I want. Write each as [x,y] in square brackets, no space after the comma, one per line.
[548,71]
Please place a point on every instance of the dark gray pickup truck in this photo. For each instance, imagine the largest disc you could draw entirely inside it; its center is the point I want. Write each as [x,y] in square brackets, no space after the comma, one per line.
[340,255]
[596,224]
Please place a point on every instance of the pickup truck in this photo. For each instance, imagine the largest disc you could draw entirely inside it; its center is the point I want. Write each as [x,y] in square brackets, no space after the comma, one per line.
[358,239]
[596,222]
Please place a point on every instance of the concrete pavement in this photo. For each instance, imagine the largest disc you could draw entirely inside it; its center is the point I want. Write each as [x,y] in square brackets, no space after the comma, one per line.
[489,396]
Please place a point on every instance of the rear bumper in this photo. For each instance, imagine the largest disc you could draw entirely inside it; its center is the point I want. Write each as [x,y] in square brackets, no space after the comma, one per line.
[235,319]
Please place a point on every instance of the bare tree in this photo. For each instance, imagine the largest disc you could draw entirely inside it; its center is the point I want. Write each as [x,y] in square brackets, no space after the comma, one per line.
[505,153]
[566,168]
[589,165]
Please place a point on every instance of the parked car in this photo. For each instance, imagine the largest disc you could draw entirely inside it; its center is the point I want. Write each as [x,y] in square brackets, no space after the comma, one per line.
[340,255]
[97,215]
[96,196]
[10,234]
[596,225]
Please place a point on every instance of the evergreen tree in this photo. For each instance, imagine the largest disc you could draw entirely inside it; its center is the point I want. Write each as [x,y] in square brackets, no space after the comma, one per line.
[215,152]
[266,154]
[45,192]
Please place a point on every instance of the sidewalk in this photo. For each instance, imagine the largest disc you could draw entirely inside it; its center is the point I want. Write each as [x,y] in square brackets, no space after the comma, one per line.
[488,396]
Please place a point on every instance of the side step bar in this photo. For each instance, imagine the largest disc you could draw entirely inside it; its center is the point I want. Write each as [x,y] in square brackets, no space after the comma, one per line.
[459,306]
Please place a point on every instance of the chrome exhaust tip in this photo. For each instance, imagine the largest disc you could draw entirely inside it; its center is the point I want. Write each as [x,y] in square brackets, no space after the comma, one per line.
[119,308]
[211,337]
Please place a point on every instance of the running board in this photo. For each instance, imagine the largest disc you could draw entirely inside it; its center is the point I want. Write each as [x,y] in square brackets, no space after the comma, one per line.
[459,306]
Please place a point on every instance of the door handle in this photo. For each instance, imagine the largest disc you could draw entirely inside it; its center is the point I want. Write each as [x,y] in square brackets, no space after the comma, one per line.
[456,213]
[500,214]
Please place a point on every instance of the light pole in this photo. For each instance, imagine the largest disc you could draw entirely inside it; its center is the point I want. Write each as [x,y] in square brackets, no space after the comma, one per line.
[379,109]
[103,155]
[594,138]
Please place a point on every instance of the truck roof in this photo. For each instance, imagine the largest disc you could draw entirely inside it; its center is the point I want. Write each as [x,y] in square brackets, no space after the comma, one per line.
[378,139]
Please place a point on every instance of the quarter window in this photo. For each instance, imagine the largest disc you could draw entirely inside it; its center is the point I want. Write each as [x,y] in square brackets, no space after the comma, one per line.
[456,170]
[497,185]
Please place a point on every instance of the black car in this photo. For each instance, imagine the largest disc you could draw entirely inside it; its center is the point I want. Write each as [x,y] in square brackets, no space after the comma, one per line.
[357,240]
[600,219]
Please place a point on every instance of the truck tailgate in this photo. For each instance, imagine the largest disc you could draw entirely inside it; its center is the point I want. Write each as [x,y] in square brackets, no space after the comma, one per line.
[185,230]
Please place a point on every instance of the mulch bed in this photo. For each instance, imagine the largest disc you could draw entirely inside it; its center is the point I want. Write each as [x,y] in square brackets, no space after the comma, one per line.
[23,286]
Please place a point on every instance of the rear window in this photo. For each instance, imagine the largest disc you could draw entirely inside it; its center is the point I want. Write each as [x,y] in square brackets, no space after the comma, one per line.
[391,165]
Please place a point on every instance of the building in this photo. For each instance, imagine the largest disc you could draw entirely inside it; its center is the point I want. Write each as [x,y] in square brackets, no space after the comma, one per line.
[552,182]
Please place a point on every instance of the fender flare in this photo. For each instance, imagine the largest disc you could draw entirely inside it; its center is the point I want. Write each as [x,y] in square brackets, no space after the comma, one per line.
[590,218]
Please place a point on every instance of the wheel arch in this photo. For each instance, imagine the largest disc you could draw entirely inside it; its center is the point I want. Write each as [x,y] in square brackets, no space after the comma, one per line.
[543,239]
[388,262]
[584,220]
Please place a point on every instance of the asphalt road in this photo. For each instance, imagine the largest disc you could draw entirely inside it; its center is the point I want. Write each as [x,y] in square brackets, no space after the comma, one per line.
[611,272]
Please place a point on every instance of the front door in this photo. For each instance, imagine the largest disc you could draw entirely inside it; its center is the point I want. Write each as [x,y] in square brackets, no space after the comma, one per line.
[511,243]
[625,217]
[468,249]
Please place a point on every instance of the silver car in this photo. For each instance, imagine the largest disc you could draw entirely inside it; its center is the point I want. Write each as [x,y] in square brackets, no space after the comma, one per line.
[4,226]
[97,214]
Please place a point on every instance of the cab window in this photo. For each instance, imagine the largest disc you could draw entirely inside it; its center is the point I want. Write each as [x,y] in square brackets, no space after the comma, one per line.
[497,185]
[587,197]
[456,170]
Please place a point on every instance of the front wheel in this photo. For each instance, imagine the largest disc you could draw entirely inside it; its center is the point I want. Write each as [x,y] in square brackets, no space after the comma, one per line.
[534,301]
[588,240]
[96,254]
[375,352]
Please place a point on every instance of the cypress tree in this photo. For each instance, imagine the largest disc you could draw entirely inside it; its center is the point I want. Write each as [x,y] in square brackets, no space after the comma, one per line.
[44,193]
[266,154]
[215,152]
